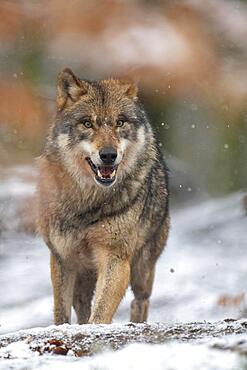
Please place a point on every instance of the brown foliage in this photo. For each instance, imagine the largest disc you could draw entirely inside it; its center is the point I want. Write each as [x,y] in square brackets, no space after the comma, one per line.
[231,300]
[22,110]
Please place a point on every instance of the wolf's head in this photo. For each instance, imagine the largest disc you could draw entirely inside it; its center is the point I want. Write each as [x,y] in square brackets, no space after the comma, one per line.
[100,130]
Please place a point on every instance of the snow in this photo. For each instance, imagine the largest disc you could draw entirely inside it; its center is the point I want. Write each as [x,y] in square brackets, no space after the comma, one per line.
[160,357]
[16,350]
[15,181]
[177,356]
[194,348]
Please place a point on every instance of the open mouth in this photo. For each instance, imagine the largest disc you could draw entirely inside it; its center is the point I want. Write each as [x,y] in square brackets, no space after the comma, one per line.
[105,175]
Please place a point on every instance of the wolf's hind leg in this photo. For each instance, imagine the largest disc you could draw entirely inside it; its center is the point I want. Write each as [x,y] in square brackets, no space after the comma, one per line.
[63,285]
[83,294]
[142,276]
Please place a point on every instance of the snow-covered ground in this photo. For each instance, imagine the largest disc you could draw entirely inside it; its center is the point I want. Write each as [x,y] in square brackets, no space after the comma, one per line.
[186,352]
[200,276]
[171,356]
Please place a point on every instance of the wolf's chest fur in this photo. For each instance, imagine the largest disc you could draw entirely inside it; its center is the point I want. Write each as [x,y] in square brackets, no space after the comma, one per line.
[81,221]
[78,246]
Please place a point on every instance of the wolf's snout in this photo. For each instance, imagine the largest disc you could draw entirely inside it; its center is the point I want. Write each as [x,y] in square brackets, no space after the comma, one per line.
[108,155]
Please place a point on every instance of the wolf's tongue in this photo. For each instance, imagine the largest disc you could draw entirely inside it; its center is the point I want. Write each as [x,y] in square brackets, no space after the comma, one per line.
[106,171]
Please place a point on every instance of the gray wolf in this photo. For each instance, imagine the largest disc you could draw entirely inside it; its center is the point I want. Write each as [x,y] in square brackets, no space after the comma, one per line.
[102,199]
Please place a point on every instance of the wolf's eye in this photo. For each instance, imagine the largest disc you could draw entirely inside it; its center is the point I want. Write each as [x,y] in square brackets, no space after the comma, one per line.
[87,124]
[84,123]
[120,123]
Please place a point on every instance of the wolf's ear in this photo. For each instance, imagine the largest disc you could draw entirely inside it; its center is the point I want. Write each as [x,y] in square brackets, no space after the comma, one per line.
[69,88]
[130,88]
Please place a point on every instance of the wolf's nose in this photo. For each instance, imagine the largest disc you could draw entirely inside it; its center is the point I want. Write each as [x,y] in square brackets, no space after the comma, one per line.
[108,155]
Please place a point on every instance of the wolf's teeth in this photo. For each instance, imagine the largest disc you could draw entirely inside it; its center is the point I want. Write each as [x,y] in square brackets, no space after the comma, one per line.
[98,173]
[113,174]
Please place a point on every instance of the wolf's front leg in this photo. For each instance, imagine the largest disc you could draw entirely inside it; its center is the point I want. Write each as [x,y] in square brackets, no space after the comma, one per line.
[63,281]
[113,280]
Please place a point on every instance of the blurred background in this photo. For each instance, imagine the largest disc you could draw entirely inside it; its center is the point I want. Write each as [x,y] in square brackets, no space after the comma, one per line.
[190,60]
[189,56]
